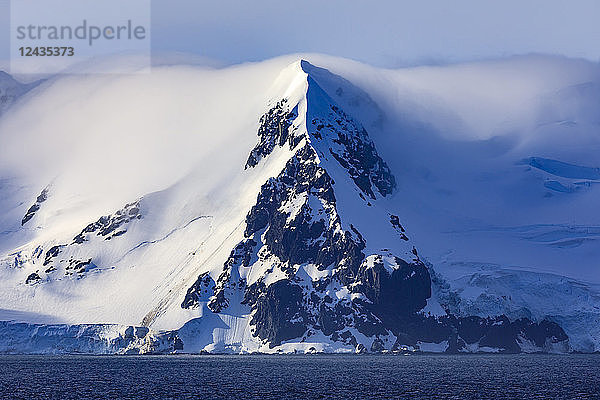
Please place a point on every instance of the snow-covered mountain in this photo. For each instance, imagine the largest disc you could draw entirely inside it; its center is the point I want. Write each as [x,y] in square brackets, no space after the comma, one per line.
[307,204]
[11,90]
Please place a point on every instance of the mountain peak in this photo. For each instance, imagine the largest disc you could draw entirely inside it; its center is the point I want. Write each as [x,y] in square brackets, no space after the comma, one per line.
[4,76]
[11,90]
[311,247]
[328,128]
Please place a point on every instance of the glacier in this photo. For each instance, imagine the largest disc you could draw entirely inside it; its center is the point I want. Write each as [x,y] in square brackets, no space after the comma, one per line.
[305,203]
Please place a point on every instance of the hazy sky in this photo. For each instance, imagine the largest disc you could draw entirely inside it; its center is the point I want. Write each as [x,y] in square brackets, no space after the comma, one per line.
[386,33]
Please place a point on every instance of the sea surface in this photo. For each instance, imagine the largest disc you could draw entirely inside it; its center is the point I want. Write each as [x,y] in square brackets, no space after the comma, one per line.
[301,377]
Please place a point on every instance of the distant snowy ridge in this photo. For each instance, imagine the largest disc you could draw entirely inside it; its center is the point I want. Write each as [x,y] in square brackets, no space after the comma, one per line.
[11,90]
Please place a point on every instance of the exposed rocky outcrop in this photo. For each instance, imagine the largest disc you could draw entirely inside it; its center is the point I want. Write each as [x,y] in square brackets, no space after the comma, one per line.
[279,312]
[110,226]
[201,290]
[274,130]
[32,278]
[350,145]
[106,227]
[42,197]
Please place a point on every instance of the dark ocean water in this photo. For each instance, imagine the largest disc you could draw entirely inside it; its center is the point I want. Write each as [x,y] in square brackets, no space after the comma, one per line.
[301,377]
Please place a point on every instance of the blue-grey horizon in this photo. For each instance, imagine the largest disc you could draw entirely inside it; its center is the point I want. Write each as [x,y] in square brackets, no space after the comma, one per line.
[388,33]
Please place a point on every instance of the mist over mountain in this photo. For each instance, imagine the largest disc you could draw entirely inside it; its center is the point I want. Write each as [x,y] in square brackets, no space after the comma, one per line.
[303,204]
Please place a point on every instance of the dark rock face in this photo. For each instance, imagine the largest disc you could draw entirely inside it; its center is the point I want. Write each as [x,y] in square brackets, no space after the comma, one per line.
[77,266]
[240,256]
[32,278]
[506,335]
[403,291]
[314,233]
[274,130]
[279,314]
[202,289]
[43,196]
[395,221]
[349,143]
[51,253]
[486,334]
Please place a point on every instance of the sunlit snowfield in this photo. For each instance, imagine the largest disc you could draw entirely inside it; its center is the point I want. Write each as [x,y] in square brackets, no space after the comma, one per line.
[302,377]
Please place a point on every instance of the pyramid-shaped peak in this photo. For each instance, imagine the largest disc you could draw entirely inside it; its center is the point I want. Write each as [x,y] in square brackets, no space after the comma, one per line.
[320,110]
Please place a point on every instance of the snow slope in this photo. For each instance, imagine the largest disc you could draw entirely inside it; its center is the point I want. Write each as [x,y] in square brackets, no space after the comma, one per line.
[495,168]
